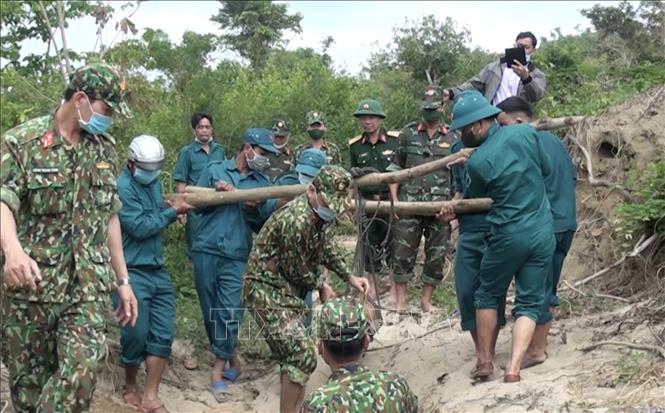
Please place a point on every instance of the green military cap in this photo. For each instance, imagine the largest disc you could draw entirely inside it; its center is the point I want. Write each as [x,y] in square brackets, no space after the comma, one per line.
[333,183]
[342,320]
[101,82]
[369,107]
[280,128]
[315,117]
[470,108]
[432,97]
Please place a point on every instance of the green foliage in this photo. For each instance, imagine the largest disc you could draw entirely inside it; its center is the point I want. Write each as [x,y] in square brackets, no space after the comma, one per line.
[648,214]
[431,52]
[255,27]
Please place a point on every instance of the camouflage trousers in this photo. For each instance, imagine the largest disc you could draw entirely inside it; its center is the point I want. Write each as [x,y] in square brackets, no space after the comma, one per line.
[53,350]
[281,322]
[407,240]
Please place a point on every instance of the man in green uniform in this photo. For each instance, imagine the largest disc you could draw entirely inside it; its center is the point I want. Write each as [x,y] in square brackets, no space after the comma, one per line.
[507,166]
[143,217]
[279,275]
[316,129]
[220,252]
[560,186]
[192,158]
[377,149]
[343,338]
[280,162]
[474,230]
[421,142]
[60,231]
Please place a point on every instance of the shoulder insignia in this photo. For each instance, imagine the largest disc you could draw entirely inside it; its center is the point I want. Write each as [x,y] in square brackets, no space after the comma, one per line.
[355,139]
[103,165]
[47,139]
[393,133]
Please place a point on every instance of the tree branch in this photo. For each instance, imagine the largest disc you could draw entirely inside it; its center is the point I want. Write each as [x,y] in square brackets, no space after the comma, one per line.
[65,77]
[646,347]
[59,6]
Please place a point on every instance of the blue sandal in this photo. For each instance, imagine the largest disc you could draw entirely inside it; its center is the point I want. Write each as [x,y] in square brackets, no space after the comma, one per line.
[219,389]
[231,374]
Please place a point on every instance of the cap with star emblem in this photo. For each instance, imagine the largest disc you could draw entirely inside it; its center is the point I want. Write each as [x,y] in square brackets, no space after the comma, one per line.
[101,82]
[369,107]
[315,117]
[280,128]
[432,97]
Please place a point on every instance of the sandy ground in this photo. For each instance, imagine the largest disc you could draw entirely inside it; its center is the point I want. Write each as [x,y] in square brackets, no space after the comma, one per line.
[436,356]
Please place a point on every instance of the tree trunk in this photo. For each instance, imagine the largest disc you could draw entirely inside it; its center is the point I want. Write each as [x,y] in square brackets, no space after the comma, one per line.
[410,173]
[204,197]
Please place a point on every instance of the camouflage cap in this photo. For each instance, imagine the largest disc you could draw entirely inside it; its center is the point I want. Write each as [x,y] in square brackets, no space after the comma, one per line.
[280,128]
[333,183]
[432,97]
[101,82]
[342,320]
[315,117]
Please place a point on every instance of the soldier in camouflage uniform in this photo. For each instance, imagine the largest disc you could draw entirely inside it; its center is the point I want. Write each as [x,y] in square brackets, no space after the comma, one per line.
[279,275]
[60,232]
[280,162]
[316,129]
[375,148]
[421,142]
[343,334]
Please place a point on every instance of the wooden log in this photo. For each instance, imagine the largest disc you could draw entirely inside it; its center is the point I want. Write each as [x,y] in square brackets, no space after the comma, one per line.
[460,206]
[204,197]
[556,123]
[375,179]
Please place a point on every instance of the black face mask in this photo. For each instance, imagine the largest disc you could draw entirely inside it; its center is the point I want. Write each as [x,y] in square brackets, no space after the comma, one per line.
[469,139]
[316,134]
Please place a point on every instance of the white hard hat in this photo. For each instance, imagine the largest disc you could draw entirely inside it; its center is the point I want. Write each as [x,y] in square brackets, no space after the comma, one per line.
[146,152]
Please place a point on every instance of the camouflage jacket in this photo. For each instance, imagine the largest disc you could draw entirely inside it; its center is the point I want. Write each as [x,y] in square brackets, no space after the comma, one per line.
[280,163]
[61,198]
[356,389]
[333,154]
[290,247]
[415,148]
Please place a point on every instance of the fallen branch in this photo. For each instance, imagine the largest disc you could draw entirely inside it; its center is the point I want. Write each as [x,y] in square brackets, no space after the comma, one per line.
[611,297]
[556,123]
[460,206]
[646,347]
[641,246]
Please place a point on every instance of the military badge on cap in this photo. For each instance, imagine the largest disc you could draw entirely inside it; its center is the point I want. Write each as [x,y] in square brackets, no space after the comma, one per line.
[365,106]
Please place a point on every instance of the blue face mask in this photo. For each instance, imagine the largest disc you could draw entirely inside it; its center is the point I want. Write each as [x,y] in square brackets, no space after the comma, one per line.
[145,177]
[304,179]
[97,124]
[324,213]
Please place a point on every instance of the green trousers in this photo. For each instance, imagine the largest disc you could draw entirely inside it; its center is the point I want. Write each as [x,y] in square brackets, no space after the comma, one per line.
[155,326]
[219,284]
[525,255]
[564,240]
[52,353]
[468,256]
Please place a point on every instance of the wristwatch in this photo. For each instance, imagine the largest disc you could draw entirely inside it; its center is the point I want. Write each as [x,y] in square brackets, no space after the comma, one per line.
[122,281]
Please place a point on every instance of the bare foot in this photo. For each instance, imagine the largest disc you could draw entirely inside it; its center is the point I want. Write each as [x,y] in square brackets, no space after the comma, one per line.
[131,396]
[426,306]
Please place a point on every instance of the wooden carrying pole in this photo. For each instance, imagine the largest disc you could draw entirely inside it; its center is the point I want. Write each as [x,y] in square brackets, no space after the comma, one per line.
[556,123]
[460,206]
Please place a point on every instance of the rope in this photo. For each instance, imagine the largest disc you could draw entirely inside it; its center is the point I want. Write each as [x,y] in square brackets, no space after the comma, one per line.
[363,247]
